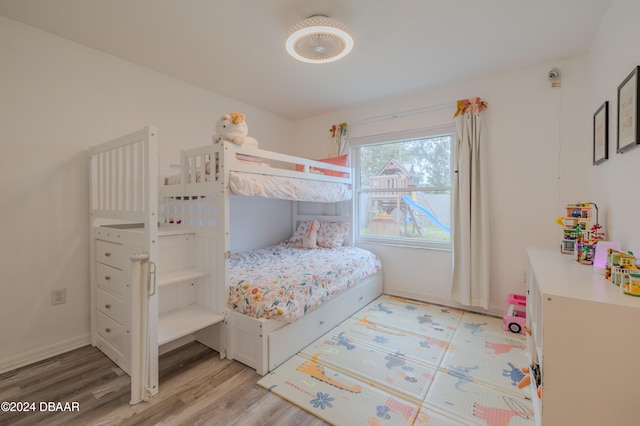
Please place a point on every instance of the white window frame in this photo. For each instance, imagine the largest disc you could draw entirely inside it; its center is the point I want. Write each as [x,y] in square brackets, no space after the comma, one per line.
[356,143]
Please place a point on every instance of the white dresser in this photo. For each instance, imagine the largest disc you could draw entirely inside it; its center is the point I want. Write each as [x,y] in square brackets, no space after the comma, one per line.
[586,340]
[184,302]
[112,318]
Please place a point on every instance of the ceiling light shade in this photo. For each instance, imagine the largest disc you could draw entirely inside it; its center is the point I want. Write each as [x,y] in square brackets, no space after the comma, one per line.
[319,39]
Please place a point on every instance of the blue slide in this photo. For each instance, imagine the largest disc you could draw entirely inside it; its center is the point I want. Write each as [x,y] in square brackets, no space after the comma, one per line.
[429,213]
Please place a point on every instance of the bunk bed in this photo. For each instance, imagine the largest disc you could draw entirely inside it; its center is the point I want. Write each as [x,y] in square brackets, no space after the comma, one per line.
[170,236]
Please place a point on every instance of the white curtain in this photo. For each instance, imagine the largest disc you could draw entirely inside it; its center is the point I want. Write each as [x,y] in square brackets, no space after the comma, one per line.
[470,284]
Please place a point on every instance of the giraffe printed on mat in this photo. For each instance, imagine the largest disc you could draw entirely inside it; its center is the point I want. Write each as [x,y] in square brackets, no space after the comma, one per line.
[317,371]
[494,416]
[499,348]
[364,322]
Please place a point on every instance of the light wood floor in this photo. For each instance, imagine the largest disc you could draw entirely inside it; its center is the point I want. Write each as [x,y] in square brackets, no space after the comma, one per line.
[196,388]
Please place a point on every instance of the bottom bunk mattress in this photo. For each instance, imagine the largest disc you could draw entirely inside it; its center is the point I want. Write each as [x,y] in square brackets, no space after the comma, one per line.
[284,282]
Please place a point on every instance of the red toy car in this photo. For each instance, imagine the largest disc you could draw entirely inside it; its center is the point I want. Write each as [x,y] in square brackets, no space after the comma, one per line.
[515,317]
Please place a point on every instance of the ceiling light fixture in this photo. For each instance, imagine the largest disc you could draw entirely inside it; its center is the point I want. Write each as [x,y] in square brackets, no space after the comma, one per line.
[319,39]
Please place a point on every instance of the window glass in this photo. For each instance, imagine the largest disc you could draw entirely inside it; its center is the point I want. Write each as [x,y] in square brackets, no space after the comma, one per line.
[403,191]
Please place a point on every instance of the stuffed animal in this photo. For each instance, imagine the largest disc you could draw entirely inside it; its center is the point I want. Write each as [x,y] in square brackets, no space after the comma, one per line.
[310,240]
[233,128]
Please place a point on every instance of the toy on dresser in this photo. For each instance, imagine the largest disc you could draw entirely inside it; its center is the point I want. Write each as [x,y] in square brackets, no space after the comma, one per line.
[580,234]
[622,270]
[233,128]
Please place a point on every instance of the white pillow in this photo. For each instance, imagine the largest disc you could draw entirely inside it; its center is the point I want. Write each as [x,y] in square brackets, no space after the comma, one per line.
[332,234]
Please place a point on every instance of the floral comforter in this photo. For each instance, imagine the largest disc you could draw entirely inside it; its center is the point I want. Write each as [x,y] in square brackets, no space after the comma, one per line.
[284,282]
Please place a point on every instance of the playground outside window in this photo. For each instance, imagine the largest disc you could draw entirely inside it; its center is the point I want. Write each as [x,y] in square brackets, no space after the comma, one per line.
[403,191]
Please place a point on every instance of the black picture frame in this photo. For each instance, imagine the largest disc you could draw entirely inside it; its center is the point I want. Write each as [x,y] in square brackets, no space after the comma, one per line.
[628,134]
[601,134]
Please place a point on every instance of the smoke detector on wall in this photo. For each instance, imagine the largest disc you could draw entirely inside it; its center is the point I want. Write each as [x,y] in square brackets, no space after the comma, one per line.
[319,39]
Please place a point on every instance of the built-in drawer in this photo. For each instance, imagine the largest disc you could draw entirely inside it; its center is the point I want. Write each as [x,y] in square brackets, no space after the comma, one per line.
[110,254]
[111,306]
[110,278]
[113,332]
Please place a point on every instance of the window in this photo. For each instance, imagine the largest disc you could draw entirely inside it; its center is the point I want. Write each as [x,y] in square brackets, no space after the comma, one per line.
[403,191]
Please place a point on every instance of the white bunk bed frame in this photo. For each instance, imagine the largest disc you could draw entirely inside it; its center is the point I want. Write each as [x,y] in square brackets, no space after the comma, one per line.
[126,189]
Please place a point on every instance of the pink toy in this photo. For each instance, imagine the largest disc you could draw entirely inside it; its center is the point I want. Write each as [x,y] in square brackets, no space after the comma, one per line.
[515,317]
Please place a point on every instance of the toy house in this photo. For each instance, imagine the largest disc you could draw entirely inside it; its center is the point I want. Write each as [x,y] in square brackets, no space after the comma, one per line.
[619,266]
[632,288]
[577,225]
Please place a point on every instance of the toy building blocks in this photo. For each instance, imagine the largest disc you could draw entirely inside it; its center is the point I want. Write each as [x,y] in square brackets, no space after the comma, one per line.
[580,236]
[601,255]
[632,288]
[515,316]
[619,265]
[622,270]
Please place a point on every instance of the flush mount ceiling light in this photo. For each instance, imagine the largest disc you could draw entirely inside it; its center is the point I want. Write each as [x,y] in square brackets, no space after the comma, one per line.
[319,39]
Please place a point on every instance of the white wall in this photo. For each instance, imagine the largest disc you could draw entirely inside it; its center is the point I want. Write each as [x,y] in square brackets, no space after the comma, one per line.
[528,123]
[614,183]
[540,149]
[57,99]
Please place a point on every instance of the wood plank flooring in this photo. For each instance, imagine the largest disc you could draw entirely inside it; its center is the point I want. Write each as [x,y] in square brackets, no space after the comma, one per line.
[196,388]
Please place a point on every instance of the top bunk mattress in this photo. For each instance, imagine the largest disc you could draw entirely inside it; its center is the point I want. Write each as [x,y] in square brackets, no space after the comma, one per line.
[283,282]
[286,188]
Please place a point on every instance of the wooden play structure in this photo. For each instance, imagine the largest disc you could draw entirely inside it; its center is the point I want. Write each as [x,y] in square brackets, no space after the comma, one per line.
[394,213]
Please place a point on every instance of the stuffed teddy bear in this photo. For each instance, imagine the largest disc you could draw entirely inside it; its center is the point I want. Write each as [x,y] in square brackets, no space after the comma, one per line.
[310,240]
[233,128]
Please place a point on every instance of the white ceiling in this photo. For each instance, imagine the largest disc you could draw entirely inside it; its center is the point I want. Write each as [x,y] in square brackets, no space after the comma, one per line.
[236,47]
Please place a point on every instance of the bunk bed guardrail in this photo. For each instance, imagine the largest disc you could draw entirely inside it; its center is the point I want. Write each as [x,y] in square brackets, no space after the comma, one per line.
[121,187]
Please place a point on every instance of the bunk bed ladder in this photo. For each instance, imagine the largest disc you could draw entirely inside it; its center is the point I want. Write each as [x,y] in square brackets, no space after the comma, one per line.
[124,190]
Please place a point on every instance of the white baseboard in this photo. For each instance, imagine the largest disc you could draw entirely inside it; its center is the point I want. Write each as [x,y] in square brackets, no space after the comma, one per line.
[44,352]
[437,301]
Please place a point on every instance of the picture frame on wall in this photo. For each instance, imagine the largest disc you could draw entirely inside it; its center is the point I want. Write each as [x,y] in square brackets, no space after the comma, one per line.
[601,134]
[628,112]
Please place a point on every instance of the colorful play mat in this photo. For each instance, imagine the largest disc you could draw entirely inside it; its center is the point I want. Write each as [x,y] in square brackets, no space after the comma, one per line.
[402,362]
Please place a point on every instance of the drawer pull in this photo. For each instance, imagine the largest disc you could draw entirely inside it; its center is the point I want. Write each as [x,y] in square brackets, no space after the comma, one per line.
[361,297]
[321,322]
[107,306]
[108,330]
[107,277]
[107,254]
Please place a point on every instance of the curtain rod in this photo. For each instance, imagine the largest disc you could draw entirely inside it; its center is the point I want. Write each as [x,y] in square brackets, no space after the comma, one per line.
[404,113]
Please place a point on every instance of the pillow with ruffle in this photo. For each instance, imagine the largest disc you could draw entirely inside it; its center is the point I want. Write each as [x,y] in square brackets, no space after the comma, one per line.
[332,234]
